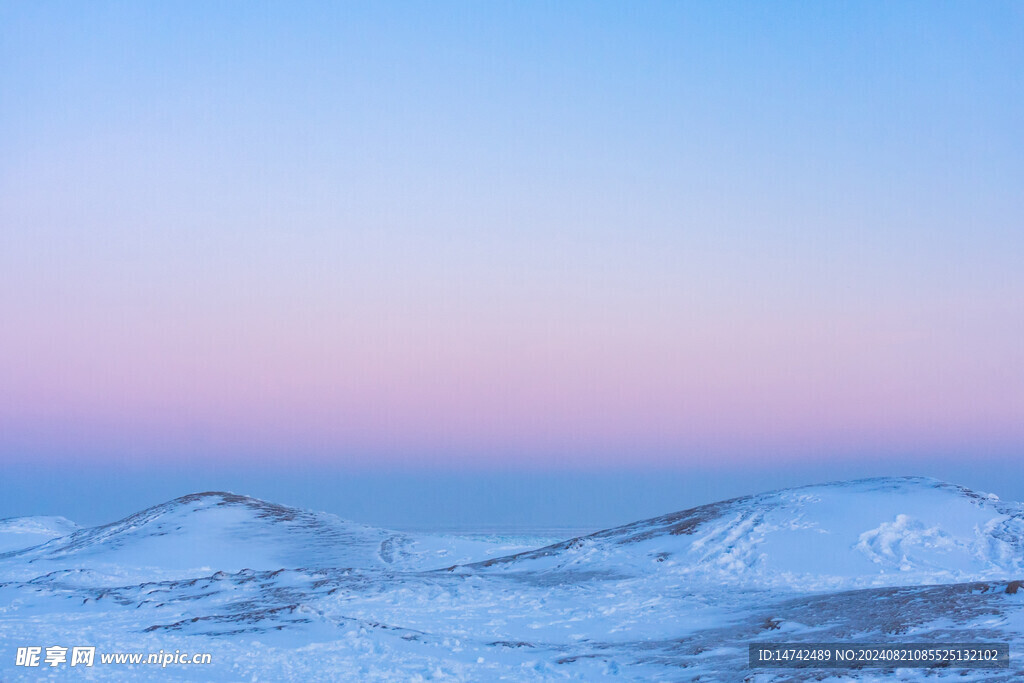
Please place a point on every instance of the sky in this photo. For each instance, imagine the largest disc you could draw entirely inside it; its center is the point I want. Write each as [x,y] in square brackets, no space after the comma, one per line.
[524,237]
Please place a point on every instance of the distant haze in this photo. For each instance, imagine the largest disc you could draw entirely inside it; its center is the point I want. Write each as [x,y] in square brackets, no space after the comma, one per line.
[433,499]
[509,238]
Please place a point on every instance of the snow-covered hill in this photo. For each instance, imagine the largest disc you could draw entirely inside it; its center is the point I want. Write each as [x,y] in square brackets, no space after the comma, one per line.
[205,532]
[277,593]
[202,533]
[18,533]
[870,532]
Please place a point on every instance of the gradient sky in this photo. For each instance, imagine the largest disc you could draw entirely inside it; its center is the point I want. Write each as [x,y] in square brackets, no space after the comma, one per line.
[458,234]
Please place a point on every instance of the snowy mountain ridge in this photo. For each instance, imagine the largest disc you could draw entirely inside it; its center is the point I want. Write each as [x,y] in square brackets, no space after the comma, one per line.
[200,533]
[869,532]
[18,533]
[203,531]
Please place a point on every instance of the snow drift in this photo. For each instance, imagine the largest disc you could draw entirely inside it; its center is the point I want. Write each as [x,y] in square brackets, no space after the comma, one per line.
[18,533]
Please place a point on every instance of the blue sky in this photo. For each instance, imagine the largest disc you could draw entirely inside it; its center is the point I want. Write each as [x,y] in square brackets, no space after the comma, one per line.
[513,237]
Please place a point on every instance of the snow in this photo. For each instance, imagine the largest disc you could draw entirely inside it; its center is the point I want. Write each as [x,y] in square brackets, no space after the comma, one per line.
[873,532]
[18,533]
[276,593]
[218,531]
